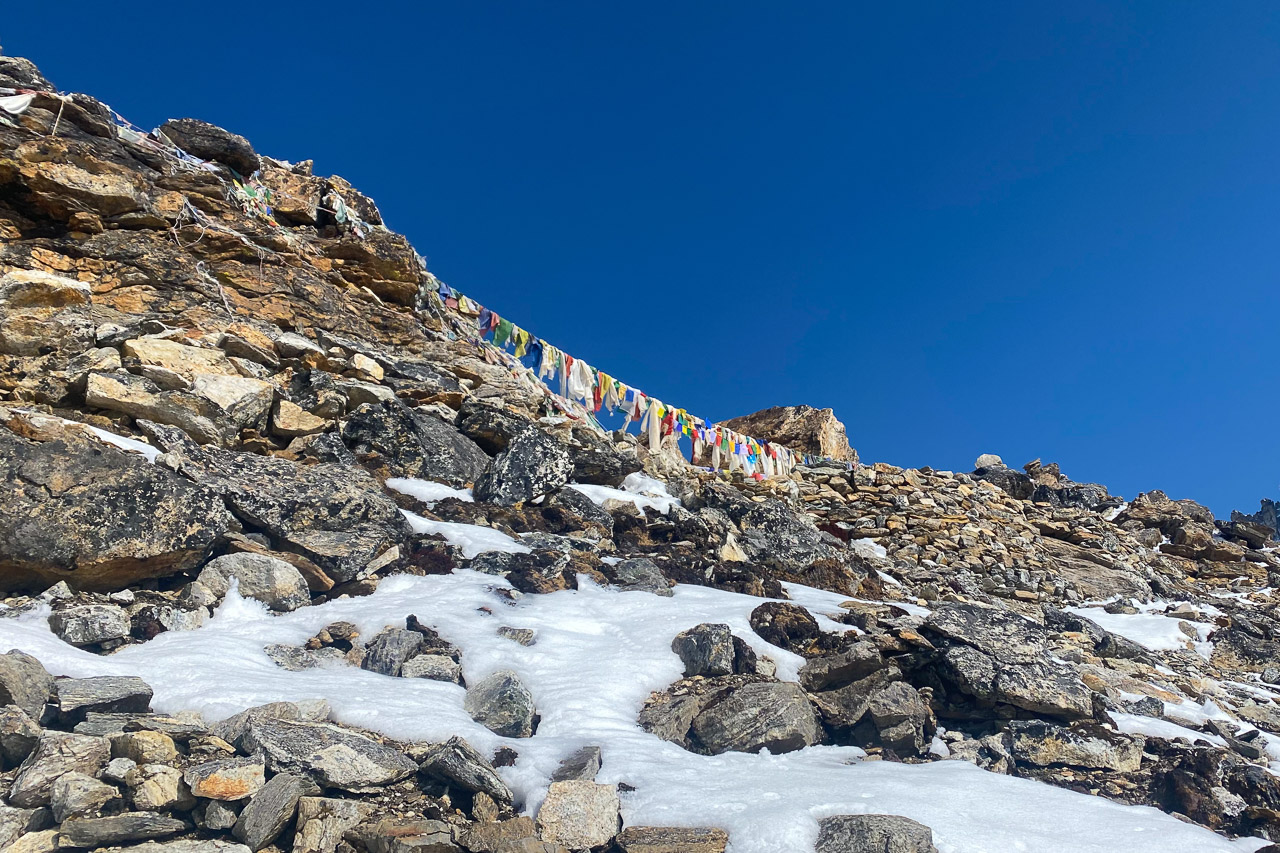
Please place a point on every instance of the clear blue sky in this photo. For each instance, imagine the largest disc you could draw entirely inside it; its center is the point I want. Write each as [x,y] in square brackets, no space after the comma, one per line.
[1023,228]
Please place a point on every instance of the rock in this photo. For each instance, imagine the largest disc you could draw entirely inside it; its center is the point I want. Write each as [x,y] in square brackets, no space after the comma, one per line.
[902,718]
[243,402]
[274,582]
[210,142]
[988,460]
[387,652]
[271,809]
[639,573]
[579,814]
[18,735]
[814,432]
[220,815]
[77,794]
[158,787]
[524,636]
[180,727]
[829,671]
[434,667]
[292,421]
[323,821]
[104,693]
[226,778]
[108,831]
[409,444]
[55,754]
[705,650]
[117,770]
[46,841]
[501,704]
[671,839]
[533,465]
[144,747]
[581,765]
[491,427]
[189,845]
[404,835]
[787,626]
[333,757]
[516,835]
[98,516]
[24,683]
[457,763]
[22,289]
[182,360]
[141,398]
[17,822]
[774,716]
[90,624]
[873,833]
[235,727]
[1080,745]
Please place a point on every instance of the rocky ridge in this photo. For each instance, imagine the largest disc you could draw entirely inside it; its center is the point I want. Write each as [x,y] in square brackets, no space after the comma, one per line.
[197,394]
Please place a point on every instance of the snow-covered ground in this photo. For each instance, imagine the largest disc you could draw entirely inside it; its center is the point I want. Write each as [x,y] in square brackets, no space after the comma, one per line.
[1155,631]
[643,491]
[599,653]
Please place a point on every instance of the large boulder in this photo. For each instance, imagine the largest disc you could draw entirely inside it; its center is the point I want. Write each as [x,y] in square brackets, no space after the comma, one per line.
[272,809]
[210,142]
[24,683]
[764,715]
[404,443]
[333,757]
[533,465]
[579,815]
[873,833]
[56,754]
[705,650]
[457,763]
[501,704]
[814,432]
[98,517]
[272,581]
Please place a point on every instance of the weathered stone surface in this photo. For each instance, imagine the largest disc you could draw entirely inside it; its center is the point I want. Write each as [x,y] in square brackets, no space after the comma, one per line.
[180,727]
[43,841]
[106,831]
[640,573]
[77,794]
[671,839]
[210,142]
[807,430]
[902,718]
[24,683]
[409,444]
[190,845]
[17,822]
[434,667]
[55,754]
[292,421]
[579,814]
[501,704]
[140,397]
[144,747]
[90,624]
[458,763]
[242,402]
[221,815]
[533,465]
[272,808]
[235,727]
[830,671]
[226,778]
[404,835]
[274,582]
[775,716]
[97,516]
[333,757]
[1079,745]
[102,693]
[18,735]
[705,650]
[158,787]
[785,625]
[516,835]
[323,821]
[582,765]
[490,426]
[387,652]
[873,833]
[26,289]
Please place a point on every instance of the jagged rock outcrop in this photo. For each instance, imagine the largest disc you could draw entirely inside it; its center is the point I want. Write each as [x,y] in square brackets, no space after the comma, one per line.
[804,429]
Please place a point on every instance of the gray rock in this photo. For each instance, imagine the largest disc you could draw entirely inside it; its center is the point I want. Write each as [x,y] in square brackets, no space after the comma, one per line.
[333,757]
[434,667]
[1079,745]
[103,693]
[181,728]
[220,815]
[78,794]
[270,580]
[491,427]
[226,778]
[18,735]
[672,839]
[457,763]
[501,704]
[582,506]
[190,845]
[296,659]
[776,716]
[55,754]
[902,717]
[272,809]
[523,636]
[387,652]
[107,831]
[830,671]
[323,821]
[24,683]
[514,835]
[773,535]
[409,444]
[233,728]
[639,573]
[705,650]
[533,465]
[117,770]
[210,142]
[90,624]
[158,787]
[873,833]
[579,814]
[17,822]
[581,765]
[404,835]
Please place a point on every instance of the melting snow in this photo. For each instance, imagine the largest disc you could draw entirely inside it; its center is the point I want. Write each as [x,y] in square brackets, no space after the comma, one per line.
[471,538]
[1136,724]
[643,491]
[1152,630]
[427,491]
[598,655]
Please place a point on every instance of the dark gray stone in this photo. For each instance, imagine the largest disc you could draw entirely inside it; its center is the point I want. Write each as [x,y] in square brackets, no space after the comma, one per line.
[582,765]
[18,734]
[90,624]
[639,573]
[830,671]
[705,650]
[102,693]
[491,427]
[410,444]
[873,833]
[107,831]
[501,704]
[533,465]
[456,762]
[210,142]
[272,809]
[387,652]
[776,716]
[333,757]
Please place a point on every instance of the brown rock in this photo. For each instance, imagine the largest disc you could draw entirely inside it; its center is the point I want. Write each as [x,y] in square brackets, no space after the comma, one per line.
[801,428]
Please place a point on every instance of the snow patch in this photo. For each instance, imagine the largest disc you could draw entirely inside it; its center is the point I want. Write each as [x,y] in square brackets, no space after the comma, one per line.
[427,491]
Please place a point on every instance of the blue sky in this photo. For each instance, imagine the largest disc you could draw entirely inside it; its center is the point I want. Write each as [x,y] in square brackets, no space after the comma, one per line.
[1010,228]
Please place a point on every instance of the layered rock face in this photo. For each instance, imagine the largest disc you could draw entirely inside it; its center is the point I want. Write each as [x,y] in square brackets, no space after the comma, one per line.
[199,394]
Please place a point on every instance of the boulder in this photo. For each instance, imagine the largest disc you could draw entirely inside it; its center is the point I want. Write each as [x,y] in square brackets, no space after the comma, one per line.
[532,466]
[434,667]
[582,764]
[639,573]
[579,814]
[407,444]
[1086,745]
[15,823]
[292,421]
[210,142]
[773,716]
[24,683]
[490,426]
[110,831]
[323,821]
[102,518]
[226,779]
[873,833]
[387,652]
[333,757]
[785,625]
[144,747]
[705,650]
[18,735]
[271,809]
[27,289]
[158,787]
[272,581]
[56,754]
[77,794]
[235,727]
[831,671]
[457,763]
[672,839]
[404,835]
[103,693]
[90,624]
[501,704]
[810,431]
[141,398]
[902,718]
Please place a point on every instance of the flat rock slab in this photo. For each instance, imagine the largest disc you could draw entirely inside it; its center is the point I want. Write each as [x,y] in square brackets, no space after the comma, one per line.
[458,763]
[105,831]
[672,839]
[226,779]
[333,757]
[103,693]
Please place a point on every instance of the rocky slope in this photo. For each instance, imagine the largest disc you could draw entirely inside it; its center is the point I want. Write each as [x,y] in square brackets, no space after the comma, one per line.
[200,395]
